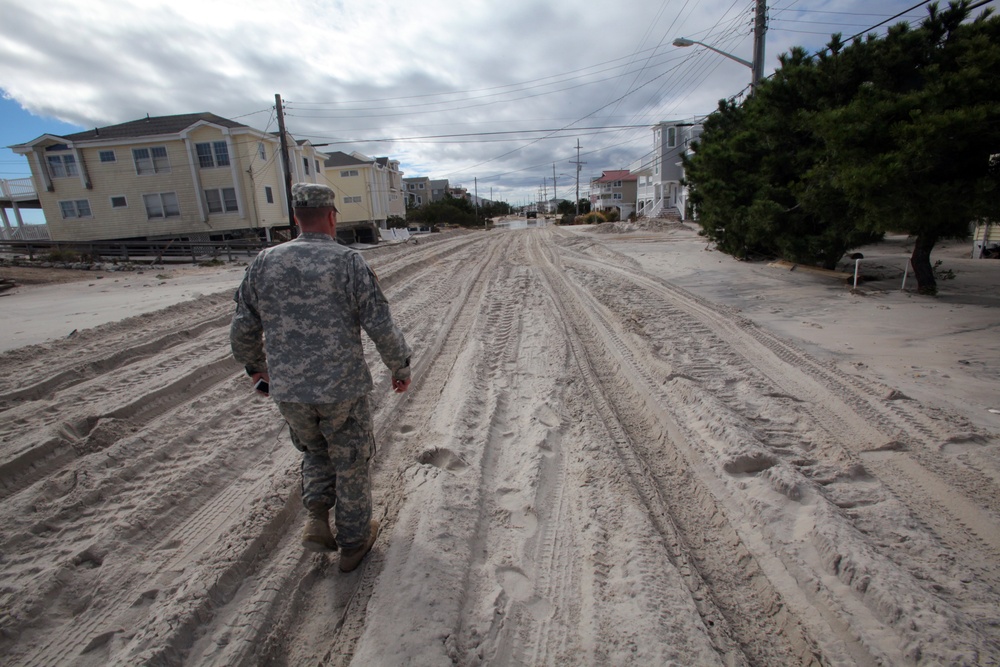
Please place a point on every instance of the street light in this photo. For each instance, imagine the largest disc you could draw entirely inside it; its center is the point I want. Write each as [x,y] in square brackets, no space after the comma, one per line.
[684,41]
[755,68]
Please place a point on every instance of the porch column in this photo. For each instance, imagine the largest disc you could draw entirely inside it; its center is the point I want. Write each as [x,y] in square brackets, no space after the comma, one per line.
[3,214]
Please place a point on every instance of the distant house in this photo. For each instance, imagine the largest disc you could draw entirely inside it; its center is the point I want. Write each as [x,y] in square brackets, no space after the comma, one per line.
[614,189]
[194,176]
[439,189]
[418,190]
[369,190]
[389,179]
[659,177]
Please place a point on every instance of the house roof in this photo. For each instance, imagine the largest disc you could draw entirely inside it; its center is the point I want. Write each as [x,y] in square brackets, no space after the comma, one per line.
[341,159]
[616,175]
[148,126]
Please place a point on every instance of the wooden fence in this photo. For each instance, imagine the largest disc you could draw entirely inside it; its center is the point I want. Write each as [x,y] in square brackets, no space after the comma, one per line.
[137,251]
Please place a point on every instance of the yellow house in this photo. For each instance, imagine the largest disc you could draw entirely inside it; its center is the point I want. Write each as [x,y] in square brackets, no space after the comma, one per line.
[369,191]
[193,176]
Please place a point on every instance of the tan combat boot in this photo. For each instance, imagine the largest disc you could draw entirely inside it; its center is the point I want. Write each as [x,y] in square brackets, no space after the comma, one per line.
[317,535]
[351,558]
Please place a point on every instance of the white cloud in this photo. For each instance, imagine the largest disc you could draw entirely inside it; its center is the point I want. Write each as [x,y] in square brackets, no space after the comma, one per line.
[387,68]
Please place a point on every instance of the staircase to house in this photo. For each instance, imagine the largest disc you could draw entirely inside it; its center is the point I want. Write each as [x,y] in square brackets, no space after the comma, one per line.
[659,211]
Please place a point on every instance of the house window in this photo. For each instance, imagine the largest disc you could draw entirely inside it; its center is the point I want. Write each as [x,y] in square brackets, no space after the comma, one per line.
[150,160]
[161,205]
[214,154]
[352,200]
[108,156]
[268,194]
[317,166]
[347,173]
[222,200]
[421,186]
[411,186]
[261,151]
[63,166]
[617,195]
[616,184]
[672,136]
[305,162]
[119,202]
[75,208]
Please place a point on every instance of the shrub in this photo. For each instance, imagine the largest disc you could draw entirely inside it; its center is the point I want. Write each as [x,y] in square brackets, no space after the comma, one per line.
[62,255]
[593,218]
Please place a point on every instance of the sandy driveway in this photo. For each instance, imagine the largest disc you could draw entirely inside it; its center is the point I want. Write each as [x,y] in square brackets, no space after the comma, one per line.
[617,449]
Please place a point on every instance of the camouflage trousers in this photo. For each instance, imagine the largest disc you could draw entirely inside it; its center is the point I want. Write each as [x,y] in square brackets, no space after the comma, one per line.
[336,441]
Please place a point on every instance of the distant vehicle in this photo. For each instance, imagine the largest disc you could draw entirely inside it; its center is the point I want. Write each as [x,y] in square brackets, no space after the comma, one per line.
[532,214]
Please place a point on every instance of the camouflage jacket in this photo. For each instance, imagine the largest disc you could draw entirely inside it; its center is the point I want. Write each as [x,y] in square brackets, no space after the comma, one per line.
[299,314]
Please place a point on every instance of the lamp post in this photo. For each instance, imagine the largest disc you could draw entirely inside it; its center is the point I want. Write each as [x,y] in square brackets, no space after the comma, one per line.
[757,66]
[684,41]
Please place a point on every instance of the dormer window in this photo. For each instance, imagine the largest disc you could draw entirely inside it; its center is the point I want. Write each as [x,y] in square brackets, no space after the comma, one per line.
[62,166]
[214,154]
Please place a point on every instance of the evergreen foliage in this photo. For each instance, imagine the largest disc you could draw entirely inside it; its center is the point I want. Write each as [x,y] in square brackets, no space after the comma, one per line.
[899,133]
[457,211]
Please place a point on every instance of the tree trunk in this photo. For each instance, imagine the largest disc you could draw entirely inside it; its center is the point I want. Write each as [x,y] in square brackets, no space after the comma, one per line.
[921,261]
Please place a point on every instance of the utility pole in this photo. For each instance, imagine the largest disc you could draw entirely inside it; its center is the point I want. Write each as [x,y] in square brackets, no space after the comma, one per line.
[545,194]
[759,30]
[555,197]
[286,164]
[475,183]
[579,166]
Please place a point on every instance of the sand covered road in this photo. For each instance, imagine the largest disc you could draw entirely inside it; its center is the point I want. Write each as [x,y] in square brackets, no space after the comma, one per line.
[593,465]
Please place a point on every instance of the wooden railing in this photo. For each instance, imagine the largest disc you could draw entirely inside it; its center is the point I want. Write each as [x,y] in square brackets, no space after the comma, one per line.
[17,189]
[138,251]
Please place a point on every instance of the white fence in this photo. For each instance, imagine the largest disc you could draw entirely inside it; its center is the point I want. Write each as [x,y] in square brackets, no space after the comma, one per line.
[394,234]
[17,189]
[25,233]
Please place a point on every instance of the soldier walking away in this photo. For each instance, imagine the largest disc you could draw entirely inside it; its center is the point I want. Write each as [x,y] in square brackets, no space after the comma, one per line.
[297,331]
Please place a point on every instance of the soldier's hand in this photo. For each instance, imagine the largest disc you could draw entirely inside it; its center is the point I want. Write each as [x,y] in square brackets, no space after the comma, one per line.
[257,377]
[399,386]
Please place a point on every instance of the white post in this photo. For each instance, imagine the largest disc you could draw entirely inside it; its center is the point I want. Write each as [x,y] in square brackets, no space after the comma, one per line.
[857,263]
[906,270]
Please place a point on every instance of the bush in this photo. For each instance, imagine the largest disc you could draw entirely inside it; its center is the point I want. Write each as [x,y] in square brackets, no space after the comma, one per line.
[593,218]
[612,215]
[62,255]
[395,222]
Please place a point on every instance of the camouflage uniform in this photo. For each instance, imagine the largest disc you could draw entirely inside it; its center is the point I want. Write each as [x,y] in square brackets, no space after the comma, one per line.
[299,314]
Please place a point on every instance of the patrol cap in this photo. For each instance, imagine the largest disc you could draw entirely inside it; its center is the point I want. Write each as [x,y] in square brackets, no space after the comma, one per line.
[313,195]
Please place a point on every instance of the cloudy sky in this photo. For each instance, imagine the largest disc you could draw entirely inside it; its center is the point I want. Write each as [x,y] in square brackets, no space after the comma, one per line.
[493,91]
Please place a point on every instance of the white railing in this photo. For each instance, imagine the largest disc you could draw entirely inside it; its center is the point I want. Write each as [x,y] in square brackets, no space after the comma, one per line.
[25,233]
[17,189]
[655,209]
